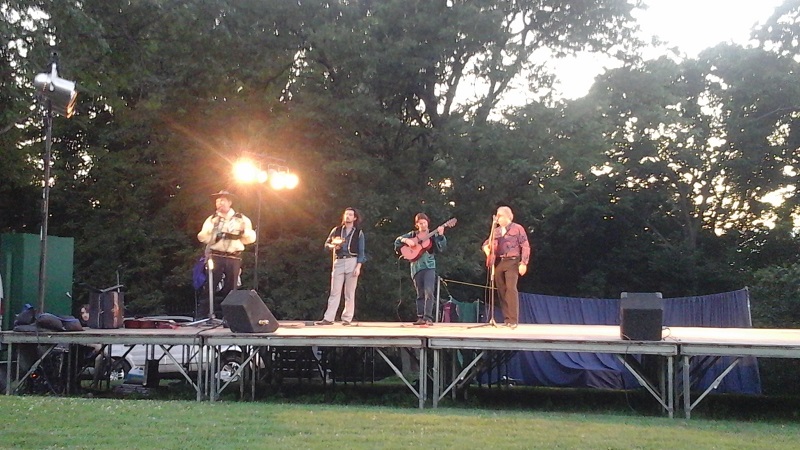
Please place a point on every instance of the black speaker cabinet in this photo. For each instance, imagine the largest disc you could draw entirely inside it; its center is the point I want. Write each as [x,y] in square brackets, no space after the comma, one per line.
[641,316]
[245,312]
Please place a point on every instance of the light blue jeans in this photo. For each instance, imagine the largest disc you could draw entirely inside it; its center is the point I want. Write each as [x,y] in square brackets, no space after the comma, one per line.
[342,276]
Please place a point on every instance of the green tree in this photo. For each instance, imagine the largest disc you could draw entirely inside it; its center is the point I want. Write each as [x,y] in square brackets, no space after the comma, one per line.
[361,98]
[776,296]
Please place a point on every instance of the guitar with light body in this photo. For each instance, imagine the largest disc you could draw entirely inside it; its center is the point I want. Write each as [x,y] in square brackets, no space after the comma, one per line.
[424,242]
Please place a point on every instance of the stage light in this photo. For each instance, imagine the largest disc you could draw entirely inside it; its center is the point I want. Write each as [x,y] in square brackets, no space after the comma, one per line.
[277,180]
[245,171]
[60,92]
[292,180]
[248,169]
[59,96]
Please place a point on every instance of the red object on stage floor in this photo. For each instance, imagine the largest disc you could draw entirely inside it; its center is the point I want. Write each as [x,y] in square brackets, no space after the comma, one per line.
[147,323]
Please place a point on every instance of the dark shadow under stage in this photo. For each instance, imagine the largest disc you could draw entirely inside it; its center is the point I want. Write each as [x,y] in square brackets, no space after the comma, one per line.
[438,350]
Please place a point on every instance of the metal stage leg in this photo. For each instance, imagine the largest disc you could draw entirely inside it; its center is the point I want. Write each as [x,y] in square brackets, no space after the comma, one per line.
[210,371]
[30,371]
[181,370]
[665,403]
[453,368]
[254,374]
[438,395]
[200,370]
[419,393]
[436,380]
[671,385]
[239,373]
[687,401]
[423,377]
[10,350]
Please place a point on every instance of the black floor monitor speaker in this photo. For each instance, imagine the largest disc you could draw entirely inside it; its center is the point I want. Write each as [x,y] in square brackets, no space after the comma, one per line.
[641,316]
[245,312]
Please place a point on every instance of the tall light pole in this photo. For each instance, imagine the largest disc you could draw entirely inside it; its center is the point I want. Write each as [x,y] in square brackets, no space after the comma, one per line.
[248,169]
[59,96]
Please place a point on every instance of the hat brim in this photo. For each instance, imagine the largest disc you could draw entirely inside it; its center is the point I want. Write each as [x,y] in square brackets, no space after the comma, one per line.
[223,194]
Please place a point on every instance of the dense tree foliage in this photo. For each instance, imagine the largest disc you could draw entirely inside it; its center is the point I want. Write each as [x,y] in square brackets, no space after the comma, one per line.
[654,181]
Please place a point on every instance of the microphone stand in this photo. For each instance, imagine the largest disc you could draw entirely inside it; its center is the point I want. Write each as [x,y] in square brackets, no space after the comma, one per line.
[211,320]
[490,264]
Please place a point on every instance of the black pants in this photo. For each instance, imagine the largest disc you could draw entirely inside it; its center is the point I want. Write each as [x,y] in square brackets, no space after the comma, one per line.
[225,269]
[506,274]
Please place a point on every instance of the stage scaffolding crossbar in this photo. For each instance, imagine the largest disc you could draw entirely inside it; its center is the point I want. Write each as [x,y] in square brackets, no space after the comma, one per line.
[682,342]
[564,338]
[183,336]
[731,342]
[367,335]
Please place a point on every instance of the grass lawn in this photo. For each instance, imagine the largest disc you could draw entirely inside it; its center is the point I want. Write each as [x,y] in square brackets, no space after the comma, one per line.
[55,422]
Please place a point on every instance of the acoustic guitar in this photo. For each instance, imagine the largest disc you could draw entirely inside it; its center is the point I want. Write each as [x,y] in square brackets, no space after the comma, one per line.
[424,242]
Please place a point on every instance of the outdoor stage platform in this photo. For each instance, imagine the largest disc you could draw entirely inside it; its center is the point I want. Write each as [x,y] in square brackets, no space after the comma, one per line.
[441,342]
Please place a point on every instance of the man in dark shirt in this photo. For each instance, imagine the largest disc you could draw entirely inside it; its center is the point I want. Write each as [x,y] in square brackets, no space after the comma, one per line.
[423,269]
[509,252]
[346,242]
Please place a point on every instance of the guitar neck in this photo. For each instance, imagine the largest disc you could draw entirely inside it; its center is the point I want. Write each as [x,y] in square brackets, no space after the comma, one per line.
[435,231]
[430,235]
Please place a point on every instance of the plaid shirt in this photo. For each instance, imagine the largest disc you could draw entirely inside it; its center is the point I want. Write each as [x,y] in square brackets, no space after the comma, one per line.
[514,243]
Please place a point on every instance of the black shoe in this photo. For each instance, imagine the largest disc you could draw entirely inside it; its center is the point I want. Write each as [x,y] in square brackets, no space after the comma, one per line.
[420,321]
[323,322]
[345,323]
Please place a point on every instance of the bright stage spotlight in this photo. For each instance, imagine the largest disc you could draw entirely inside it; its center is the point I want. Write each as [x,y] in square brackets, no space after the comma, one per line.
[248,170]
[277,180]
[292,180]
[245,171]
[60,92]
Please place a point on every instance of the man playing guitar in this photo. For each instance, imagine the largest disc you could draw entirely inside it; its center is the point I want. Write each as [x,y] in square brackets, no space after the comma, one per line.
[423,268]
[508,250]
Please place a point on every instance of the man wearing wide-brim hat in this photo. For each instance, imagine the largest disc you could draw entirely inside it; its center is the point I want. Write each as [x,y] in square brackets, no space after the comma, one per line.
[225,234]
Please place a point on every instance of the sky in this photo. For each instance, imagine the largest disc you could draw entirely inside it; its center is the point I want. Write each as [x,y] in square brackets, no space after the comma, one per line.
[691,25]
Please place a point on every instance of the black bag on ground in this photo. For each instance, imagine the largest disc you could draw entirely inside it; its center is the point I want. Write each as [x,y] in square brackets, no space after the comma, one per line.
[106,309]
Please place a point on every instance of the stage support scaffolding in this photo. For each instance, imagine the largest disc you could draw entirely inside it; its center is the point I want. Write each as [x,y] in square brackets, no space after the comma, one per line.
[449,356]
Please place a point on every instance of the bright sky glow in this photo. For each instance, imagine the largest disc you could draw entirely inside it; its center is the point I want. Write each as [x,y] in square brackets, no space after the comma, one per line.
[690,25]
